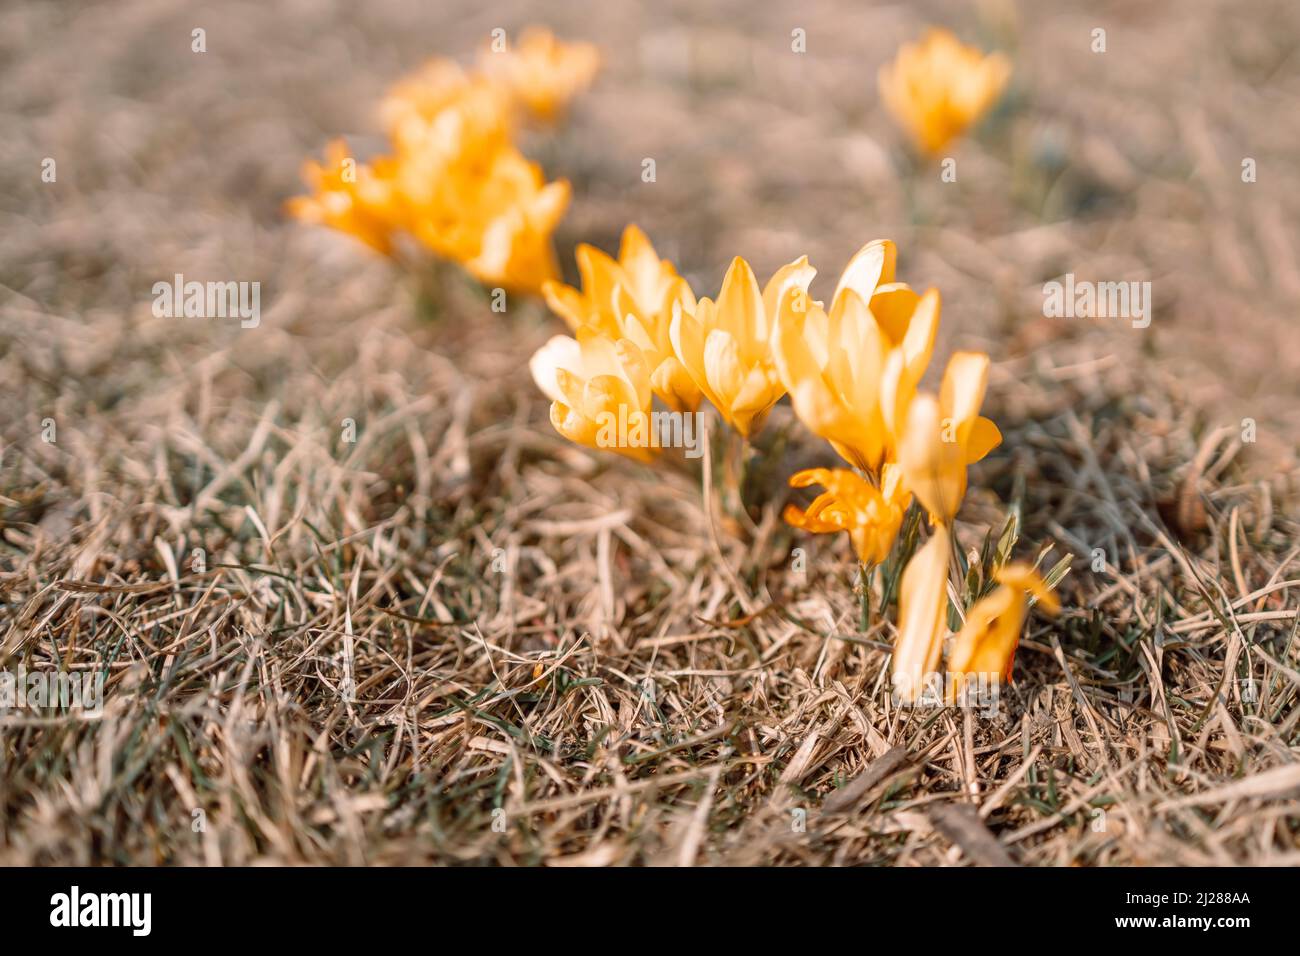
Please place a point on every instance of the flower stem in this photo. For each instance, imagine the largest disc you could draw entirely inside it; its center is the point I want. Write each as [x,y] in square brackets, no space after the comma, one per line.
[734,455]
[865,573]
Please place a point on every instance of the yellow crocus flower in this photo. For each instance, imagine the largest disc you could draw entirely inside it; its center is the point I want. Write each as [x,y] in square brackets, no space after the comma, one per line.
[724,345]
[517,219]
[492,211]
[922,613]
[943,435]
[542,72]
[833,363]
[937,88]
[443,109]
[468,194]
[870,515]
[455,181]
[600,392]
[632,297]
[362,201]
[987,643]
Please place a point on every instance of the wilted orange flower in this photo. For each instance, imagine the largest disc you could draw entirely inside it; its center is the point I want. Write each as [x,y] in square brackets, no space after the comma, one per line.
[939,87]
[987,643]
[600,391]
[724,345]
[871,515]
[943,435]
[833,363]
[922,610]
[634,298]
[542,72]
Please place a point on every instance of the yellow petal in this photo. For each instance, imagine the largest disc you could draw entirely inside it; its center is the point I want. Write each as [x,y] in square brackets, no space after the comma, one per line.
[893,306]
[549,206]
[646,275]
[1022,576]
[922,609]
[962,392]
[637,328]
[566,302]
[572,389]
[987,642]
[822,412]
[560,351]
[671,383]
[722,368]
[856,366]
[605,394]
[896,392]
[574,426]
[918,342]
[759,391]
[635,252]
[983,437]
[933,468]
[740,310]
[676,291]
[792,352]
[635,371]
[870,266]
[794,275]
[686,332]
[809,476]
[600,274]
[892,487]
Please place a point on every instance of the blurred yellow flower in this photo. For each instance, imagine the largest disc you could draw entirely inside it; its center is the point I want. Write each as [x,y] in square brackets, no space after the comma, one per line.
[939,87]
[600,392]
[443,109]
[922,610]
[987,643]
[724,345]
[833,363]
[351,197]
[541,72]
[634,298]
[509,217]
[943,435]
[455,181]
[871,515]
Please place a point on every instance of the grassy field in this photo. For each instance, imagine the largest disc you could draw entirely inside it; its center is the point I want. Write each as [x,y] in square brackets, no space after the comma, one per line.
[460,639]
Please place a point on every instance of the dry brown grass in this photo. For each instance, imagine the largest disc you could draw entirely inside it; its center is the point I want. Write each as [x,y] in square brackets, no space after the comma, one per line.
[352,680]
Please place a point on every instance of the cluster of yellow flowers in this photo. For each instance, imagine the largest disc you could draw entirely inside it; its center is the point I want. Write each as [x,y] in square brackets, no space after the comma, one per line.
[457,185]
[455,182]
[939,87]
[852,372]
